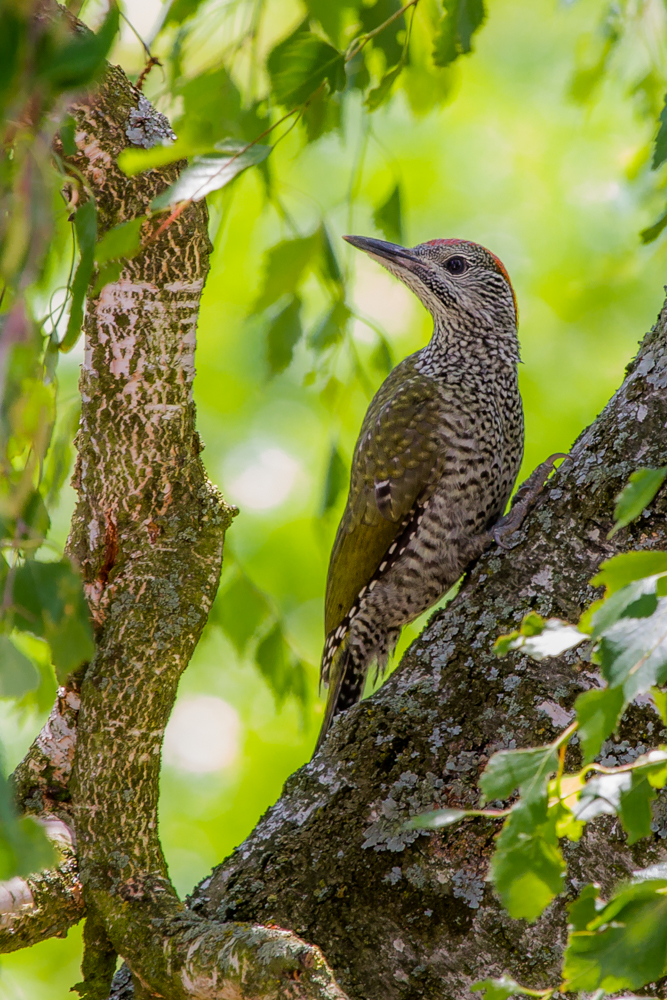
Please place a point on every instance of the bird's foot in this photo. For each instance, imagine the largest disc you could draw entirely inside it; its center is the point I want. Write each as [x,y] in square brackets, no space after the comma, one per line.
[526,495]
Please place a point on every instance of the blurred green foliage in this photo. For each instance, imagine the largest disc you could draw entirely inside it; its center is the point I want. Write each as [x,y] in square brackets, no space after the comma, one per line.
[537,143]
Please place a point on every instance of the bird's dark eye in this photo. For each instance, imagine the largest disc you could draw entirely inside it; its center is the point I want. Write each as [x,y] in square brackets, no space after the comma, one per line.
[456,265]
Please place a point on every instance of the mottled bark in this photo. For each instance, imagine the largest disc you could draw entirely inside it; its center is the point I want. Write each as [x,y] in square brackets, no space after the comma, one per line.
[148,534]
[409,914]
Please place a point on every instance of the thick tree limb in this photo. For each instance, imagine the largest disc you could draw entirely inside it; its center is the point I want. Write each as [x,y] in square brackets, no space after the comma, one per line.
[39,907]
[406,913]
[148,532]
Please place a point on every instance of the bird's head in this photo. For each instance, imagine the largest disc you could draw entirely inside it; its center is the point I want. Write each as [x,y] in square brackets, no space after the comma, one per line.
[462,284]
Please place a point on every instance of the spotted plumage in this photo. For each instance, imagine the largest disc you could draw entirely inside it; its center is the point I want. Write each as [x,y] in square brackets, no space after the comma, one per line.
[436,459]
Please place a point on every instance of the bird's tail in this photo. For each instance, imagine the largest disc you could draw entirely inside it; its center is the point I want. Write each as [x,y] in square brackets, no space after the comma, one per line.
[346,686]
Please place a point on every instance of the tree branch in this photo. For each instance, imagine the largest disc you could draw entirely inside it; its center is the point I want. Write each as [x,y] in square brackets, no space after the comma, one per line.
[39,907]
[403,912]
[148,533]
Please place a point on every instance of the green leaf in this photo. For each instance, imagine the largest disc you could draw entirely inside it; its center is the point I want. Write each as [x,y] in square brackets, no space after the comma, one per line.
[328,14]
[633,652]
[585,908]
[48,601]
[331,329]
[17,674]
[387,40]
[286,264]
[527,770]
[85,226]
[628,566]
[302,63]
[461,20]
[436,820]
[240,610]
[284,675]
[24,847]
[660,702]
[210,173]
[135,161]
[540,638]
[283,335]
[638,599]
[123,240]
[598,714]
[651,233]
[633,498]
[660,150]
[330,266]
[77,62]
[388,217]
[527,868]
[107,275]
[67,132]
[379,94]
[624,945]
[336,480]
[497,989]
[635,807]
[181,10]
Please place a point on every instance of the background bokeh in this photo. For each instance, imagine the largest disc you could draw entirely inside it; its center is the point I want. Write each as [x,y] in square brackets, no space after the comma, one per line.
[557,187]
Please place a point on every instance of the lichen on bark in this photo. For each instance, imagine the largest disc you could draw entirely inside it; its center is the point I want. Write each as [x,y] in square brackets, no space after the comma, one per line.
[410,914]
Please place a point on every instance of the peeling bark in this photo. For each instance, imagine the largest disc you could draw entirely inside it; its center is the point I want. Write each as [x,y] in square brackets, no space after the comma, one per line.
[408,913]
[41,906]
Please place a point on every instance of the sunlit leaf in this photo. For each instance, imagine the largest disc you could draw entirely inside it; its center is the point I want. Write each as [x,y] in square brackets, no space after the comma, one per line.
[633,498]
[539,638]
[301,64]
[210,173]
[633,652]
[624,945]
[660,702]
[638,599]
[283,335]
[461,20]
[622,569]
[123,240]
[388,217]
[85,225]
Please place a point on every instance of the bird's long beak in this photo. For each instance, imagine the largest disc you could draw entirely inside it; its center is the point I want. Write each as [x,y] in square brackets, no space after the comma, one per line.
[389,252]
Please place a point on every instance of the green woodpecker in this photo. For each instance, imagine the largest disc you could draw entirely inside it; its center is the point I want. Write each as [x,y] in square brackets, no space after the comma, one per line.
[435,462]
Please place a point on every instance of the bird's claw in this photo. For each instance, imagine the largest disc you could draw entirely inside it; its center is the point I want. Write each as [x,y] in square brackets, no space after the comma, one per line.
[523,498]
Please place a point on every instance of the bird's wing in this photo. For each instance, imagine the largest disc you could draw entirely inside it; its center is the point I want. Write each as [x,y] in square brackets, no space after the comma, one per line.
[396,462]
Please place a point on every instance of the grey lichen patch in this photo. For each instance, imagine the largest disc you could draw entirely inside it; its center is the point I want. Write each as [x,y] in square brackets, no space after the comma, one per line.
[148,127]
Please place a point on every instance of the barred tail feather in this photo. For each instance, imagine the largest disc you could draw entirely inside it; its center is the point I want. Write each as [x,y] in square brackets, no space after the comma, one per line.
[346,687]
